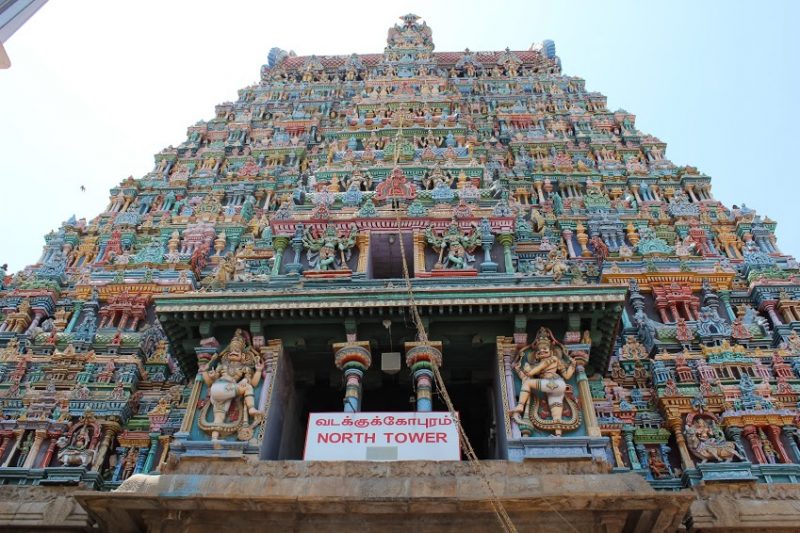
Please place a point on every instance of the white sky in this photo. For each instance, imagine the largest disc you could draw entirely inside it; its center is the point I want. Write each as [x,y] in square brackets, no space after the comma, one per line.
[97,87]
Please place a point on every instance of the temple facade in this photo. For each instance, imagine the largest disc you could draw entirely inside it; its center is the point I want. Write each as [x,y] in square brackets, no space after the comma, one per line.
[472,236]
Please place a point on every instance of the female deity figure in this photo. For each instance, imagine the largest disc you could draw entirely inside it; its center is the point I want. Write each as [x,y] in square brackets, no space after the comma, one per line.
[232,376]
[541,367]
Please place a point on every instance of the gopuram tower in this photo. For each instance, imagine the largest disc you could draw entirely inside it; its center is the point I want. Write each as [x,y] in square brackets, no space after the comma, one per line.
[411,290]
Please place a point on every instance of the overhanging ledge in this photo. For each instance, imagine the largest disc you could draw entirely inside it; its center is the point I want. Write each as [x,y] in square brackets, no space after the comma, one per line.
[212,495]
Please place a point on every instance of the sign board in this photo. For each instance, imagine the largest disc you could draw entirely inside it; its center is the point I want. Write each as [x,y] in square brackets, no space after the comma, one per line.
[408,436]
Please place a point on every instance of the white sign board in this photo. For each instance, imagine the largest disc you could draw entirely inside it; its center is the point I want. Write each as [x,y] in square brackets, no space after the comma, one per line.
[382,437]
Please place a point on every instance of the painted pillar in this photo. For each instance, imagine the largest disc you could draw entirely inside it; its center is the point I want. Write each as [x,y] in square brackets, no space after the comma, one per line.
[38,438]
[353,358]
[76,311]
[51,448]
[587,405]
[141,457]
[100,456]
[680,440]
[122,451]
[751,434]
[735,433]
[421,358]
[508,375]
[616,441]
[627,433]
[726,300]
[18,433]
[774,434]
[790,432]
[151,453]
[505,240]
[280,244]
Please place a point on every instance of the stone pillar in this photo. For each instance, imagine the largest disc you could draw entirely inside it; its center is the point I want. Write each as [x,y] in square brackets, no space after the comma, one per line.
[141,457]
[51,448]
[567,235]
[508,375]
[352,358]
[73,320]
[726,301]
[769,307]
[616,441]
[421,358]
[506,240]
[38,438]
[587,405]
[122,451]
[18,434]
[753,438]
[151,453]
[788,431]
[735,433]
[774,434]
[280,244]
[99,458]
[627,433]
[676,426]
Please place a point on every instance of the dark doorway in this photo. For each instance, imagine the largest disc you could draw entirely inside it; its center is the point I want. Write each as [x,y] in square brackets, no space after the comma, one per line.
[386,259]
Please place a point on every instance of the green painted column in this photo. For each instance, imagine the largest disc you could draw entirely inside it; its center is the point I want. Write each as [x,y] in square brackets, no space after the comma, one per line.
[151,453]
[506,240]
[280,244]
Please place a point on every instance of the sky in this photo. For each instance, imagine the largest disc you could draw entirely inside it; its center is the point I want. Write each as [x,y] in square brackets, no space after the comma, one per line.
[96,88]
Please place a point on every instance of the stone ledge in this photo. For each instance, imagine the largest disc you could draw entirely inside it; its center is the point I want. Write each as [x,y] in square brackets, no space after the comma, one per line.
[41,508]
[299,496]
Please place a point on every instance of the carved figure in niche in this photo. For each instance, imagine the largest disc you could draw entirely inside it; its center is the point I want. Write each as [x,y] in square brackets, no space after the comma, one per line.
[542,368]
[76,447]
[323,248]
[454,246]
[706,441]
[231,377]
[658,467]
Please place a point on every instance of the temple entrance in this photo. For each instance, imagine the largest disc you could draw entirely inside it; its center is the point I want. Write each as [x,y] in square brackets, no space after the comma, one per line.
[385,259]
[468,372]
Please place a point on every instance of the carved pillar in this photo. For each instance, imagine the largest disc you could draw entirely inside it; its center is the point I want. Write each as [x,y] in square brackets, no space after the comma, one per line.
[352,358]
[506,240]
[164,440]
[774,434]
[676,426]
[38,438]
[587,405]
[616,441]
[18,433]
[76,311]
[567,236]
[141,457]
[769,307]
[735,433]
[627,433]
[51,448]
[753,439]
[99,458]
[421,358]
[122,452]
[280,244]
[4,440]
[508,354]
[204,354]
[151,453]
[726,301]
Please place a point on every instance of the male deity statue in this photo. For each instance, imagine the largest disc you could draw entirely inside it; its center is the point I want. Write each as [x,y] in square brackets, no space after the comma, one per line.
[232,375]
[541,367]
